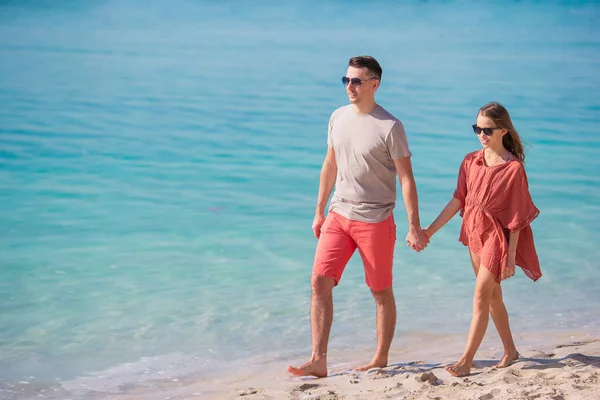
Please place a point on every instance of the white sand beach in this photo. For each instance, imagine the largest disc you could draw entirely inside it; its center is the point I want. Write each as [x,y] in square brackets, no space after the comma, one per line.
[560,372]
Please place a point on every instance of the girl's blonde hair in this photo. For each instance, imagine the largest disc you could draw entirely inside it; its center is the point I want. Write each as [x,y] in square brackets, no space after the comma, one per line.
[511,141]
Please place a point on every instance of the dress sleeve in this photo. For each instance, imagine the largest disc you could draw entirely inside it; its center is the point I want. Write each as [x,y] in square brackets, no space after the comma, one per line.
[461,186]
[519,210]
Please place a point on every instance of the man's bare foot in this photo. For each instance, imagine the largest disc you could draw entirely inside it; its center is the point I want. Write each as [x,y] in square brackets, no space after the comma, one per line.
[375,363]
[508,359]
[459,369]
[316,368]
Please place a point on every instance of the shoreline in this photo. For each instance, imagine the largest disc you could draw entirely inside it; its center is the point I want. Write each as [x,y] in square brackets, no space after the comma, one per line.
[557,366]
[566,371]
[567,367]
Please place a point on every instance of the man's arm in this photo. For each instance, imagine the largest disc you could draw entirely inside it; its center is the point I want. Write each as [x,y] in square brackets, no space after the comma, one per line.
[326,182]
[415,238]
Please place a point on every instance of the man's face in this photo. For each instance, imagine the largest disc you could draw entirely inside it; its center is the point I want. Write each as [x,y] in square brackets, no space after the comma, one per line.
[365,90]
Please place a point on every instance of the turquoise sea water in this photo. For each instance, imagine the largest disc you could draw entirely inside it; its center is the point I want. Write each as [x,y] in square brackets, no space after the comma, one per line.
[159,166]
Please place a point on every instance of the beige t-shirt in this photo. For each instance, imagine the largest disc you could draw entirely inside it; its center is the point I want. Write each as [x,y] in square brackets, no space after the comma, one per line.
[365,146]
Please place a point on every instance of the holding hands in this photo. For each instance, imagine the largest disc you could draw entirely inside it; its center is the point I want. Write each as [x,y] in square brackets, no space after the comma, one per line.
[417,239]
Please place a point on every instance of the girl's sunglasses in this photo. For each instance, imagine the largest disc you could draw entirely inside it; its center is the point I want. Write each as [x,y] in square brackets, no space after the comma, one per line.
[486,131]
[355,81]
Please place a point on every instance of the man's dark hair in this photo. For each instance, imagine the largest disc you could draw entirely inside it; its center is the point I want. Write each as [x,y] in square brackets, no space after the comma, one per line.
[367,62]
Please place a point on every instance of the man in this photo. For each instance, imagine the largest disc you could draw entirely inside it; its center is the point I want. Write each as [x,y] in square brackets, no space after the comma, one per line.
[367,148]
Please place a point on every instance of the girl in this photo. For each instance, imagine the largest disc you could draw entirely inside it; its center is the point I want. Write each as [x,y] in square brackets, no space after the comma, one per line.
[493,197]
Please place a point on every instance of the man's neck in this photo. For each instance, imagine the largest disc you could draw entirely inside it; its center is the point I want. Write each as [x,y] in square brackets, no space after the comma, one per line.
[364,108]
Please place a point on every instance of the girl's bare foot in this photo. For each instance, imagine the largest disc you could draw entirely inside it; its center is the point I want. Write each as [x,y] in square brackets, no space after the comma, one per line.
[459,369]
[316,368]
[508,359]
[375,363]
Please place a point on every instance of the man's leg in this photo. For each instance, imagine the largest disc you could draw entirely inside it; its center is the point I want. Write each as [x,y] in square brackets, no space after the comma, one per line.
[321,317]
[334,249]
[386,325]
[376,242]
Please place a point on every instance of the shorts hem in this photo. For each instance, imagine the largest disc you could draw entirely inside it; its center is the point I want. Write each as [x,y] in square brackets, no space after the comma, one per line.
[383,288]
[336,279]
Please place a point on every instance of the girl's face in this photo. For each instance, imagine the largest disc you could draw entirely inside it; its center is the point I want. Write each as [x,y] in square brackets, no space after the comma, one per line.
[487,126]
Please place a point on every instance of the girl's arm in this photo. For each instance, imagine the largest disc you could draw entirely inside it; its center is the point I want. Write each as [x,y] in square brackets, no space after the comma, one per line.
[446,215]
[513,239]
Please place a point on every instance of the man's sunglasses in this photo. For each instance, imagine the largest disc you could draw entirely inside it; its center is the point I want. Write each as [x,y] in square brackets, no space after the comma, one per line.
[355,81]
[486,131]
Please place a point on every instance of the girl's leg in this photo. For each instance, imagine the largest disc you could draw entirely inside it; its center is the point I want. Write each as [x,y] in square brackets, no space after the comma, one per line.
[484,288]
[500,318]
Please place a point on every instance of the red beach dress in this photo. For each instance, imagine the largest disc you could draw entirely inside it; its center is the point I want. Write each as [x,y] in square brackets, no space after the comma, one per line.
[493,202]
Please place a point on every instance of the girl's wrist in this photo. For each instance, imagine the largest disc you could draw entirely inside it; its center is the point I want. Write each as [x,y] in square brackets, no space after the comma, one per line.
[428,232]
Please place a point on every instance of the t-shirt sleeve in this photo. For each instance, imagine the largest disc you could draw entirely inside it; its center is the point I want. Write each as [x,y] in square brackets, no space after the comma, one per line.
[397,142]
[461,185]
[519,210]
[329,130]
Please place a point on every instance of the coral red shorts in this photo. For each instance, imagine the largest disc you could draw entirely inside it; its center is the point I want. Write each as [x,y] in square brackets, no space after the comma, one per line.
[340,237]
